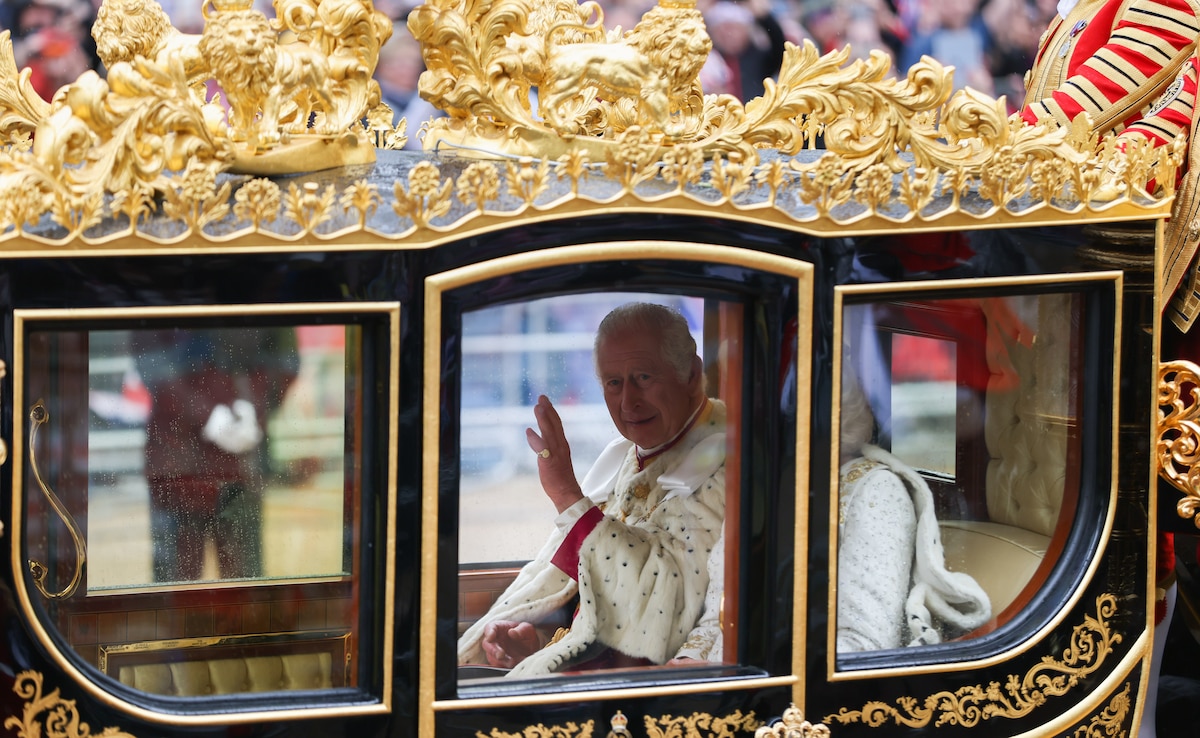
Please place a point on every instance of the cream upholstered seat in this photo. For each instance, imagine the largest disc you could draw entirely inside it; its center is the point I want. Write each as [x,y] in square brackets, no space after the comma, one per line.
[1002,558]
[232,675]
[1027,431]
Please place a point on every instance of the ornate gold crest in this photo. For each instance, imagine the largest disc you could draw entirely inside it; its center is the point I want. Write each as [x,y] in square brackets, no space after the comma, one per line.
[552,97]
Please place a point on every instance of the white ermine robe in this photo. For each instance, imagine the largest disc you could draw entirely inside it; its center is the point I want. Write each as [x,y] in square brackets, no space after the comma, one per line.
[642,565]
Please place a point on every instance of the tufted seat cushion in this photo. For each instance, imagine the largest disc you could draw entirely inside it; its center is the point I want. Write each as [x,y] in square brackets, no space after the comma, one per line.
[233,675]
[1002,558]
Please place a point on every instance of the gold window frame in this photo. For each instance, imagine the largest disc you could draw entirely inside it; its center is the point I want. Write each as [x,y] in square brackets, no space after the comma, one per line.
[435,286]
[390,311]
[949,289]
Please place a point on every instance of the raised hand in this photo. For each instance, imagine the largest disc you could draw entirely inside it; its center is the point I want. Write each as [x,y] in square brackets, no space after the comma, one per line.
[555,470]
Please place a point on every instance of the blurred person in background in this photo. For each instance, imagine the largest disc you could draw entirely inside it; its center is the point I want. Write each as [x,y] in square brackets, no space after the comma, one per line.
[1014,27]
[749,40]
[825,21]
[54,58]
[961,40]
[400,66]
[867,30]
[72,19]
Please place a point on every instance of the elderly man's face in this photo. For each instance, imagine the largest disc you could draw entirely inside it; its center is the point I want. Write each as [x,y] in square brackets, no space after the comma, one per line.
[645,397]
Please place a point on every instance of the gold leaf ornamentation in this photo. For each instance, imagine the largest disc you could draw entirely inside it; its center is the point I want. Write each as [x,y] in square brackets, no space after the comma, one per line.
[61,718]
[700,725]
[1178,445]
[1110,721]
[793,725]
[197,201]
[526,181]
[574,165]
[477,184]
[257,201]
[1091,643]
[570,730]
[363,198]
[309,205]
[731,178]
[427,196]
[828,184]
[873,187]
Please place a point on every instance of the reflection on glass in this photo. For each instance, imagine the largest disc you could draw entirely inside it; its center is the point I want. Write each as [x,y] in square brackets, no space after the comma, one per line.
[215,454]
[628,447]
[957,421]
[924,397]
[511,354]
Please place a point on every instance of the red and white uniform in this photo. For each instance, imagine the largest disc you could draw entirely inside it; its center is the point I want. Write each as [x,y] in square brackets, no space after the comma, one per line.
[1117,60]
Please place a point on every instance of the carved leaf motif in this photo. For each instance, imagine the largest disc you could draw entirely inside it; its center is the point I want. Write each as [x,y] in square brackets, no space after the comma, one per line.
[363,198]
[257,201]
[20,106]
[478,184]
[309,205]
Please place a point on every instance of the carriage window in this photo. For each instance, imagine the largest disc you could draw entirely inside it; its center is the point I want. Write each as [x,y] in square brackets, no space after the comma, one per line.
[960,415]
[643,425]
[193,490]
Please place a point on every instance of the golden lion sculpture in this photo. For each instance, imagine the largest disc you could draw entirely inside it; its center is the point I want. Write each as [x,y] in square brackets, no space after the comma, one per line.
[125,29]
[654,65]
[259,75]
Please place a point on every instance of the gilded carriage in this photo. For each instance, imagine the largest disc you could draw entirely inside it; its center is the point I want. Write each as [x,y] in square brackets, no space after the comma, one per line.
[992,287]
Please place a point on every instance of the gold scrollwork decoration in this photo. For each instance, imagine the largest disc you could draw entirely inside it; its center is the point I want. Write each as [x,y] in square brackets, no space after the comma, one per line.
[701,725]
[1091,643]
[1177,448]
[793,725]
[1109,721]
[570,730]
[696,725]
[61,717]
[39,416]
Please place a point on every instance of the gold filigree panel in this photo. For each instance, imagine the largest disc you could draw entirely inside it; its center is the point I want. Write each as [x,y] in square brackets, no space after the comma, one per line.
[1108,723]
[50,715]
[1177,449]
[696,725]
[968,706]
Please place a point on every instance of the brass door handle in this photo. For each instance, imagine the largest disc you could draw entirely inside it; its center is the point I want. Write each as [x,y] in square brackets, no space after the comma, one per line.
[38,416]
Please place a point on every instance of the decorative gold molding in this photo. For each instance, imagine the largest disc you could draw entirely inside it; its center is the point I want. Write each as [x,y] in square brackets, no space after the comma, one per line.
[570,730]
[1108,722]
[1177,449]
[793,725]
[111,156]
[61,716]
[967,706]
[701,725]
[696,725]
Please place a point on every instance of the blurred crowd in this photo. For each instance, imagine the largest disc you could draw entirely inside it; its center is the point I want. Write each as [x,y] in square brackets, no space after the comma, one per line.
[990,43]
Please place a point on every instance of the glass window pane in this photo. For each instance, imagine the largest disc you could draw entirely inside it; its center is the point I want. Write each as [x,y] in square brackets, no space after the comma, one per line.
[193,491]
[924,400]
[957,416]
[640,414]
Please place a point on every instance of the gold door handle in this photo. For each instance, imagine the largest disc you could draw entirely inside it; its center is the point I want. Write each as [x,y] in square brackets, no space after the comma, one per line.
[38,416]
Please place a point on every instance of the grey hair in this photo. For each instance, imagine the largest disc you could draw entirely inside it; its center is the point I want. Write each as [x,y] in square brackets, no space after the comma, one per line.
[678,346]
[857,420]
